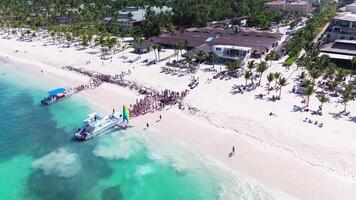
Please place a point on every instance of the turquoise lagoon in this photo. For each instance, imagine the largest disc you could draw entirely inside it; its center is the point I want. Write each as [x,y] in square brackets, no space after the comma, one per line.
[40,160]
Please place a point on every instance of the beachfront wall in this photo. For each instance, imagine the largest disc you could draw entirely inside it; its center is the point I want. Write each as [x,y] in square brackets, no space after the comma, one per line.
[228,52]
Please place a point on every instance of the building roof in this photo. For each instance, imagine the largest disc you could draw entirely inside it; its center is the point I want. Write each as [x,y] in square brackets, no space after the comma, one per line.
[346,16]
[299,3]
[259,41]
[56,91]
[337,56]
[204,47]
[275,3]
[342,47]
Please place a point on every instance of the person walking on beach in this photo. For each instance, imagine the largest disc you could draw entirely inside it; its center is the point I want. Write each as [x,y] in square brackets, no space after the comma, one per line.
[147,125]
[232,153]
[160,117]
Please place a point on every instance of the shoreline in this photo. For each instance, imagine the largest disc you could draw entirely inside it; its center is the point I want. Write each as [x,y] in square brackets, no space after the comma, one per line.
[265,165]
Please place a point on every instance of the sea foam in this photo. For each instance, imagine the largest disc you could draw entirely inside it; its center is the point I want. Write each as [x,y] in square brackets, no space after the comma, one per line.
[61,163]
[143,170]
[116,146]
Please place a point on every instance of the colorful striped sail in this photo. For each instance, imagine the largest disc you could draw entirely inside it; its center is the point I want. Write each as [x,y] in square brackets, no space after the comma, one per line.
[126,114]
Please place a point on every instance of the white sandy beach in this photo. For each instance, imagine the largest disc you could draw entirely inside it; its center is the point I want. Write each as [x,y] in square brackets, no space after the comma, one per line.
[292,158]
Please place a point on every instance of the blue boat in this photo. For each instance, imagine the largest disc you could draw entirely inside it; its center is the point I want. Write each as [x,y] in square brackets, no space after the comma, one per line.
[57,95]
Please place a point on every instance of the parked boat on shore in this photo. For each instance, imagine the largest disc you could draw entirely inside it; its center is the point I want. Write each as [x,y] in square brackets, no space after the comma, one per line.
[96,125]
[56,95]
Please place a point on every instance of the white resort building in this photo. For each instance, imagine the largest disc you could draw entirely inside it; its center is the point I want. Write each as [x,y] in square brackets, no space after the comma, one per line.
[228,52]
[343,26]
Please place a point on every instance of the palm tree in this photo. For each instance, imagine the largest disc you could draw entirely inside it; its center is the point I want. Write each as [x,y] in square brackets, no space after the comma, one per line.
[353,62]
[122,34]
[323,99]
[180,49]
[271,56]
[346,96]
[314,74]
[281,82]
[301,77]
[276,75]
[323,61]
[270,78]
[53,35]
[155,47]
[309,90]
[251,64]
[261,67]
[329,71]
[231,66]
[200,56]
[111,43]
[159,49]
[333,86]
[213,58]
[340,75]
[247,75]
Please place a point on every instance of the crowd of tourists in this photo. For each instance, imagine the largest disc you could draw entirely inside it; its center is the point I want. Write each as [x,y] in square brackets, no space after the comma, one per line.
[156,101]
[153,100]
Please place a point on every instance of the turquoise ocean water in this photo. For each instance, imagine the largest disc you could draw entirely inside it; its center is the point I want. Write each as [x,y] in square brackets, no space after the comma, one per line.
[40,160]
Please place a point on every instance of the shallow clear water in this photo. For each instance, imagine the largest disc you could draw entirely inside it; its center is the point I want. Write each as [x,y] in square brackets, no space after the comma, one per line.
[40,160]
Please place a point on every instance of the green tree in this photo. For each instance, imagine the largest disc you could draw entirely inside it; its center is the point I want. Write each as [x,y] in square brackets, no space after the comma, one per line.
[270,78]
[155,47]
[281,82]
[302,77]
[200,56]
[111,43]
[213,58]
[180,47]
[232,66]
[276,75]
[271,56]
[159,49]
[353,62]
[346,96]
[323,61]
[309,90]
[340,74]
[330,71]
[314,74]
[323,99]
[261,68]
[248,74]
[333,86]
[251,65]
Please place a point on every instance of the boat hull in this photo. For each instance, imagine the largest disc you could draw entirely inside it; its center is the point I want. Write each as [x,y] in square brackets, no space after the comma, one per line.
[83,135]
[47,102]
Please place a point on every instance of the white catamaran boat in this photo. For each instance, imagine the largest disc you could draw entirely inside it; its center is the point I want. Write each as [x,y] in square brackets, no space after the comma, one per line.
[96,125]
